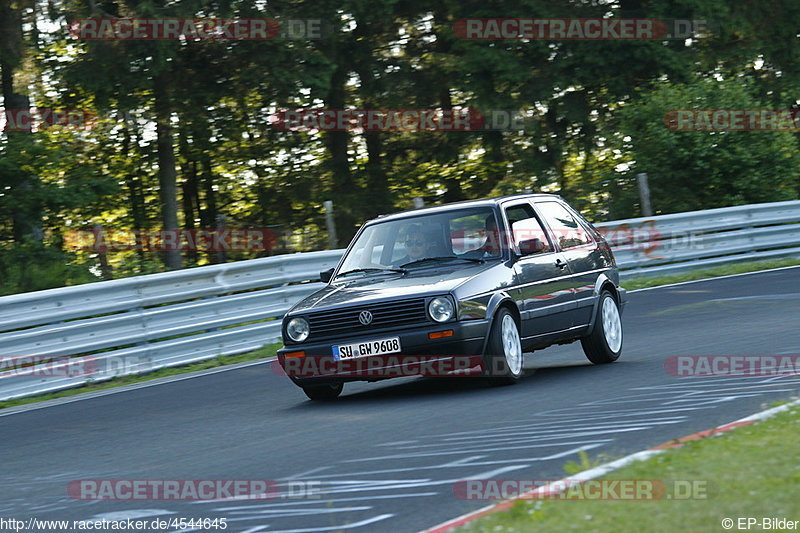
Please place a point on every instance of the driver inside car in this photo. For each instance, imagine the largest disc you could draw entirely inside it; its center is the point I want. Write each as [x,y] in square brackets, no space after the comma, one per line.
[418,245]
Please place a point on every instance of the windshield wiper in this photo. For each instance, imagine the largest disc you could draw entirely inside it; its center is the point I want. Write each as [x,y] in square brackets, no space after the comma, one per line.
[443,258]
[366,270]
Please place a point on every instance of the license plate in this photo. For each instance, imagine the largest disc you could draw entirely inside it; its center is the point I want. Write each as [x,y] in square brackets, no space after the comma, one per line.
[367,348]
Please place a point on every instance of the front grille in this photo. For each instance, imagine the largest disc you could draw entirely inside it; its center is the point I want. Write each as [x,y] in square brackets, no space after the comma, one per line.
[344,321]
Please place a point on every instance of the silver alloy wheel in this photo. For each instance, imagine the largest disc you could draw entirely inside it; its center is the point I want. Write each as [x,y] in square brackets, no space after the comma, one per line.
[612,325]
[512,347]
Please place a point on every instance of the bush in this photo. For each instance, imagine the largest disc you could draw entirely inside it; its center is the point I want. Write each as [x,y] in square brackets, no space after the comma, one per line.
[34,267]
[691,170]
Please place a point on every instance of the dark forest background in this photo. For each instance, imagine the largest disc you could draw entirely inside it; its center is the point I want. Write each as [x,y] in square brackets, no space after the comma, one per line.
[183,136]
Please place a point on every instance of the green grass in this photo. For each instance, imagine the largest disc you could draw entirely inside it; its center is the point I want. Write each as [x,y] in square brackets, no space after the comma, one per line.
[262,353]
[724,270]
[584,462]
[753,471]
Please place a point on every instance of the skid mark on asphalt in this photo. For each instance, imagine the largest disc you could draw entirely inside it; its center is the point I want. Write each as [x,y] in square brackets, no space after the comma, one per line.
[382,486]
[372,498]
[352,525]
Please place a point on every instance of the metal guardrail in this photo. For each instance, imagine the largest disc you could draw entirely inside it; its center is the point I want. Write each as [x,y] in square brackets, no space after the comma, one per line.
[135,325]
[680,242]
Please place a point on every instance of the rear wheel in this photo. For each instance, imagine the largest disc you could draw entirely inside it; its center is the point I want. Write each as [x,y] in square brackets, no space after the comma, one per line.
[323,393]
[503,359]
[604,344]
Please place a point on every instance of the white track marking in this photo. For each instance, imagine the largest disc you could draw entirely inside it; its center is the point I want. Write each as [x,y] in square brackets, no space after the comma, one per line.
[327,501]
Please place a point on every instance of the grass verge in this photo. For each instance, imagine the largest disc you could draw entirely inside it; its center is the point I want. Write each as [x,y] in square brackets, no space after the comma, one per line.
[262,353]
[751,472]
[723,270]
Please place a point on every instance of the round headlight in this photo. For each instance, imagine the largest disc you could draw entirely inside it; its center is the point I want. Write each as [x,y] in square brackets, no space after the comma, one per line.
[297,329]
[441,309]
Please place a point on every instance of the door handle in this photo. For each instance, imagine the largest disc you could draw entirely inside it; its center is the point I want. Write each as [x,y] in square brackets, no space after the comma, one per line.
[561,264]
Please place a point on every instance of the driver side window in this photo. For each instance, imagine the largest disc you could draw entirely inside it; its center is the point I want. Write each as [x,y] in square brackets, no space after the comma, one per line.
[526,231]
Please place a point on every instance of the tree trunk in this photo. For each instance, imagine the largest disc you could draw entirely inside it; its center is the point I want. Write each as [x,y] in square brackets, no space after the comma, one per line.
[337,143]
[377,182]
[448,154]
[188,189]
[166,164]
[134,185]
[27,212]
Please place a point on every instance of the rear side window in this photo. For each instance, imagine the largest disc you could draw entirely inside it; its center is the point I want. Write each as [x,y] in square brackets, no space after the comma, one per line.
[567,230]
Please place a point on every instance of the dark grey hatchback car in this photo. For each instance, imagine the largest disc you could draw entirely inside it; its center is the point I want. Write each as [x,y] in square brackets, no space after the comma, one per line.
[480,282]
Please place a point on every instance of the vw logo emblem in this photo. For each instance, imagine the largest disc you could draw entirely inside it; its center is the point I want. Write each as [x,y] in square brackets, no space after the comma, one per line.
[365,317]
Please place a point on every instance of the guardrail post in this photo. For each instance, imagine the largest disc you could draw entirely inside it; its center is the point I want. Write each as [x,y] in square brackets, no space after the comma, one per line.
[332,240]
[644,194]
[220,256]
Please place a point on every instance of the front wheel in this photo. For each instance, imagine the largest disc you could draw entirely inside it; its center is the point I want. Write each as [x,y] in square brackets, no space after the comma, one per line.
[503,359]
[604,344]
[323,393]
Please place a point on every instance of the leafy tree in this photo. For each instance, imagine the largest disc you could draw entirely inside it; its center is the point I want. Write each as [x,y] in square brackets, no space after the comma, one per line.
[691,170]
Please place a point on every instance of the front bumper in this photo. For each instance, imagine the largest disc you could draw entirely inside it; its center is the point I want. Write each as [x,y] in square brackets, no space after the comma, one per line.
[316,365]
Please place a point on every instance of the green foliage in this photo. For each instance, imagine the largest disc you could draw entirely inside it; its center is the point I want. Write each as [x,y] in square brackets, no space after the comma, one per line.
[33,267]
[583,463]
[691,170]
[594,118]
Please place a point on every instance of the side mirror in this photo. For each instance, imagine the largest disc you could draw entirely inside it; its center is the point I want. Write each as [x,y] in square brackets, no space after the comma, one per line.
[531,246]
[326,275]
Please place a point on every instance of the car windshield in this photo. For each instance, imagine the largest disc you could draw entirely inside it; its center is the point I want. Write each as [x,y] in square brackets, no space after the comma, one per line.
[454,238]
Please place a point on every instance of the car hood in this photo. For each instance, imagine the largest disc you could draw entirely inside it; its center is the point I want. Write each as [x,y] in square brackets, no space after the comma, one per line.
[417,282]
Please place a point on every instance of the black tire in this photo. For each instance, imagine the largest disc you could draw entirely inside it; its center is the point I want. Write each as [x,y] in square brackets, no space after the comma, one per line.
[323,393]
[600,343]
[496,366]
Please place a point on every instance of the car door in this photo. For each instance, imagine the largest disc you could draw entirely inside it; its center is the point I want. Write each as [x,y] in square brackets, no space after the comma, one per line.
[580,251]
[542,287]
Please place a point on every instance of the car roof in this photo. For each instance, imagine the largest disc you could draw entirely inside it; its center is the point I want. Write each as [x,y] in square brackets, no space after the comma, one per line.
[482,202]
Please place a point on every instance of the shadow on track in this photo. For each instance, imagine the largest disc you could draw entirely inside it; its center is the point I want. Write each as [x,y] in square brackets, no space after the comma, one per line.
[416,388]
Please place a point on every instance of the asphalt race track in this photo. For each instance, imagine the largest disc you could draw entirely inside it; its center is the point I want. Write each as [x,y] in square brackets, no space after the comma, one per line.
[386,455]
